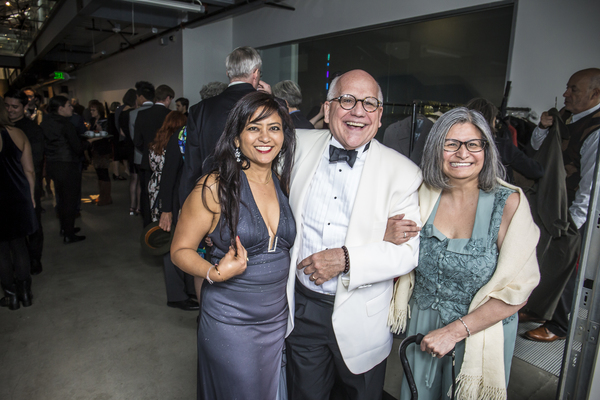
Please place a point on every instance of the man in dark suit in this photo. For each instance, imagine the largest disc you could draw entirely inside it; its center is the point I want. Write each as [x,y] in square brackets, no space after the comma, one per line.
[206,120]
[147,123]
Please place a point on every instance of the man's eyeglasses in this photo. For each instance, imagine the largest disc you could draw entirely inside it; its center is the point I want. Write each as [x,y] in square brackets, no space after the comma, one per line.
[348,102]
[473,145]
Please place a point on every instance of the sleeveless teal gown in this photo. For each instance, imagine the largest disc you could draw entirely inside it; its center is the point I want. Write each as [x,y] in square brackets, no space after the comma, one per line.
[449,274]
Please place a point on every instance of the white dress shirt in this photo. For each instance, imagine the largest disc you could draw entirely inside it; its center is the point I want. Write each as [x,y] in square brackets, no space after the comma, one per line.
[589,150]
[327,210]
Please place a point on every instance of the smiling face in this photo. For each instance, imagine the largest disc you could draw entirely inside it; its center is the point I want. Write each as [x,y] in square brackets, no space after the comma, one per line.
[15,109]
[356,127]
[463,165]
[261,141]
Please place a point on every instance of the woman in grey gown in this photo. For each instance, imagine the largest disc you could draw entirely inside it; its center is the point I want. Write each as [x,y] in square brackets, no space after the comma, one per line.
[242,206]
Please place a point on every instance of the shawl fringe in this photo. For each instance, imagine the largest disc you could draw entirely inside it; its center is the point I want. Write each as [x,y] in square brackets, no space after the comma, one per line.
[472,388]
[399,311]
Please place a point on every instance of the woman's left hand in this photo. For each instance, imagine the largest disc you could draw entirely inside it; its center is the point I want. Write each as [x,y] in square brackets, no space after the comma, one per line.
[440,342]
[400,230]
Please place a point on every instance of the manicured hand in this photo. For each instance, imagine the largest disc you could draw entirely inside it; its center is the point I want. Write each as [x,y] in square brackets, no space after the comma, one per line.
[232,265]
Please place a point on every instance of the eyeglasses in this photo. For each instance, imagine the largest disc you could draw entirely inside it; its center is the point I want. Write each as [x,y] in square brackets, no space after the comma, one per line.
[473,145]
[348,102]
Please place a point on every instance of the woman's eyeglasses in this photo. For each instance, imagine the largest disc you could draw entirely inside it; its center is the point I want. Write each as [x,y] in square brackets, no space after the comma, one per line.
[473,145]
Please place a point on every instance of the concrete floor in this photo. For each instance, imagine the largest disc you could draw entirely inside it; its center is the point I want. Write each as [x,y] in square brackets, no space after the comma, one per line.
[99,327]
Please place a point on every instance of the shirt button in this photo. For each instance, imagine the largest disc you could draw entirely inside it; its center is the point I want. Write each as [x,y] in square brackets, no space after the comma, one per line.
[340,170]
[335,197]
[329,223]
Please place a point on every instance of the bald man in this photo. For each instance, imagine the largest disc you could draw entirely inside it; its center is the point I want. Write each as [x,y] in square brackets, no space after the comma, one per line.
[579,153]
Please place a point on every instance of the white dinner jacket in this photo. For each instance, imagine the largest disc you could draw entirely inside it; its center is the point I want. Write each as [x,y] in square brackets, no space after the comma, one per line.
[388,186]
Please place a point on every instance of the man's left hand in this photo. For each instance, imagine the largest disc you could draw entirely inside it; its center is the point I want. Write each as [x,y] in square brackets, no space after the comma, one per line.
[324,265]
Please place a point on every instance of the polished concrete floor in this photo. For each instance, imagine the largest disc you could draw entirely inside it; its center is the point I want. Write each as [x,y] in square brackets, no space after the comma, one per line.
[99,327]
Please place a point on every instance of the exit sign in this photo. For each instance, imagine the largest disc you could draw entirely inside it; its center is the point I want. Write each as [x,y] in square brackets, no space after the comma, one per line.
[58,75]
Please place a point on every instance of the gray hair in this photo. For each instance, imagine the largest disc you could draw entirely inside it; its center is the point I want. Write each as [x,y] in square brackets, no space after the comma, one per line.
[334,92]
[212,89]
[242,62]
[433,153]
[288,91]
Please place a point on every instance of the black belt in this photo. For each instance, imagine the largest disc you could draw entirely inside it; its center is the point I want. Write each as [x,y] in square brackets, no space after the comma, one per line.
[327,299]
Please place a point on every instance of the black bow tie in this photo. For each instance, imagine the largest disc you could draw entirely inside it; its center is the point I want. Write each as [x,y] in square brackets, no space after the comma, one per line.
[336,155]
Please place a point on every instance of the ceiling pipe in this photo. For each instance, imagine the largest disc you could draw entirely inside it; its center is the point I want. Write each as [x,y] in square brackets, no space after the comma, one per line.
[198,8]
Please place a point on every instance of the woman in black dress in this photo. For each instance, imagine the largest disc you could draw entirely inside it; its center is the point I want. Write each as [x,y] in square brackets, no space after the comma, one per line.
[17,216]
[242,206]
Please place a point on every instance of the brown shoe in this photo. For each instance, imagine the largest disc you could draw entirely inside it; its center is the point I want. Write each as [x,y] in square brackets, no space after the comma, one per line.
[526,317]
[542,334]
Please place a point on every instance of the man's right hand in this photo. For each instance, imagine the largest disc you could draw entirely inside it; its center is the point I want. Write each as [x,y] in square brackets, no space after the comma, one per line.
[546,120]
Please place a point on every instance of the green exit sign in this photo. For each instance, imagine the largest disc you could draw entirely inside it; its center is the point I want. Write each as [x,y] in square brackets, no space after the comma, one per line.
[58,75]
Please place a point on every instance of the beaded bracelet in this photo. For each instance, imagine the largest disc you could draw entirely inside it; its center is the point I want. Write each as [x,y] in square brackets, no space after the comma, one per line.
[208,275]
[466,327]
[347,257]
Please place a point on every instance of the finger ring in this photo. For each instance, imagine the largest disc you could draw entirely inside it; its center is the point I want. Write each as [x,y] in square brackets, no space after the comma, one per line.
[404,234]
[433,355]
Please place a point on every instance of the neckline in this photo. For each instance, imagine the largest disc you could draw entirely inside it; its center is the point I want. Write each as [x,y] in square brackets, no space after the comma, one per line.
[273,238]
[477,232]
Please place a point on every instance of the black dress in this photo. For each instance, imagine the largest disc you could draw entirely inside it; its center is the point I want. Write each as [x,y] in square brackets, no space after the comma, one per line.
[243,320]
[17,216]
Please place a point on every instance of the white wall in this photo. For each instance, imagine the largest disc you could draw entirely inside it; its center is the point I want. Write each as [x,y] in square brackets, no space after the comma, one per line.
[553,38]
[109,79]
[204,52]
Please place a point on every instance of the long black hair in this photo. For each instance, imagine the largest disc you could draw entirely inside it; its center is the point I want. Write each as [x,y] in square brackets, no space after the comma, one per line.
[226,167]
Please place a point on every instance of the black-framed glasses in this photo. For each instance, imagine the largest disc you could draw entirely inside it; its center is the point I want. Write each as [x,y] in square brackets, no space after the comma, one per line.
[473,145]
[348,102]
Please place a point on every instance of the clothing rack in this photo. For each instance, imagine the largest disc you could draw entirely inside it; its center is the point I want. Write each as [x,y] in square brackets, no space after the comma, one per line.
[427,107]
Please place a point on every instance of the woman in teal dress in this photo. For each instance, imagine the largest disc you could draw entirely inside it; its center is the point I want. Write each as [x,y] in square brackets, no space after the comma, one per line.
[477,263]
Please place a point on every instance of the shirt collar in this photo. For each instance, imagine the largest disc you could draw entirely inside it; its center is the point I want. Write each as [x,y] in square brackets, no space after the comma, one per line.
[577,117]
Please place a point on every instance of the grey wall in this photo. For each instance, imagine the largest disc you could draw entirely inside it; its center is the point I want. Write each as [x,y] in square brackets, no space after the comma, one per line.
[553,38]
[108,80]
[204,52]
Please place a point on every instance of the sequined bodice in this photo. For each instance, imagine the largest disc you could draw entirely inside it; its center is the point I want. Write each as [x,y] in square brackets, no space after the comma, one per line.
[451,271]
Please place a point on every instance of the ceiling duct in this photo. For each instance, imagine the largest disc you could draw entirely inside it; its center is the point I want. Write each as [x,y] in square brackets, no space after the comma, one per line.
[176,5]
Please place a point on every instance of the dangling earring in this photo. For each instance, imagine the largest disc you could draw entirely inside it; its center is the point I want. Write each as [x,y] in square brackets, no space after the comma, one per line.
[238,154]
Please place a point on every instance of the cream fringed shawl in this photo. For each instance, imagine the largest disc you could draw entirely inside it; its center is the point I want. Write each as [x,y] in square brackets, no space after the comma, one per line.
[517,274]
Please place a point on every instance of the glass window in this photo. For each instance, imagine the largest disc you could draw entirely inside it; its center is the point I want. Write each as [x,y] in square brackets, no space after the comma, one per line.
[450,59]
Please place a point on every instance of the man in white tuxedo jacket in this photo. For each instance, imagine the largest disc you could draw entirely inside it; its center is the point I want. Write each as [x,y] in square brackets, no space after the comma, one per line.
[344,188]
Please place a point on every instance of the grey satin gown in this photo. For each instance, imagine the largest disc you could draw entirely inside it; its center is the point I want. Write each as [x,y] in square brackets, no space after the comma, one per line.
[243,320]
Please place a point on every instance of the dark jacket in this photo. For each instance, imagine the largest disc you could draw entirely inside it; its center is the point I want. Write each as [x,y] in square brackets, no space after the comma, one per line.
[147,123]
[168,195]
[514,159]
[300,121]
[61,142]
[205,125]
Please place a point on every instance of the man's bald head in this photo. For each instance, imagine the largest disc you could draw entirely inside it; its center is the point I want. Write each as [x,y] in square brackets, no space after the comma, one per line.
[583,90]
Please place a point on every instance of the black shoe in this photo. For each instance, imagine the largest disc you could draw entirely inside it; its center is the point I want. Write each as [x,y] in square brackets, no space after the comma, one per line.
[73,239]
[36,267]
[24,292]
[10,299]
[119,178]
[186,305]
[75,230]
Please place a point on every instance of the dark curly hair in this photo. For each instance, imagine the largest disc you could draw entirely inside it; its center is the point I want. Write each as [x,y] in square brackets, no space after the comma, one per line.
[228,169]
